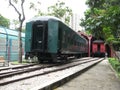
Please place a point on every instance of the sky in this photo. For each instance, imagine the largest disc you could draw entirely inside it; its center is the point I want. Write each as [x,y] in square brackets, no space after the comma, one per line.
[78,8]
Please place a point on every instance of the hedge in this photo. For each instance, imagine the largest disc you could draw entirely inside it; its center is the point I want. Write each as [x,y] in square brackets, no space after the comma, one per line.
[115,64]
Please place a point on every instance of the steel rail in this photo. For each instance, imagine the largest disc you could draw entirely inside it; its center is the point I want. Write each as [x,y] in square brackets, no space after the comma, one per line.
[46,72]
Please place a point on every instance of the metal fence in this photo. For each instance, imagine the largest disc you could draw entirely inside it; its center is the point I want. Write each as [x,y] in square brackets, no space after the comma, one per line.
[9,43]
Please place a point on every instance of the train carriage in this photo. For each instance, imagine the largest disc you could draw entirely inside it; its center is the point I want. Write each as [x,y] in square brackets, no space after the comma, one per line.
[98,48]
[49,38]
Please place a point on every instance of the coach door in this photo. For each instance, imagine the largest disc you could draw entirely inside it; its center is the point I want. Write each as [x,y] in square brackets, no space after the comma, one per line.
[38,36]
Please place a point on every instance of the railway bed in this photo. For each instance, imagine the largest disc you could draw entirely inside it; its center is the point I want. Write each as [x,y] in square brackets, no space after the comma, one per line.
[43,74]
[10,71]
[16,67]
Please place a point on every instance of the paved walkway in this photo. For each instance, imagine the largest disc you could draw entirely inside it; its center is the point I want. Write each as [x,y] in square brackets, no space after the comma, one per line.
[99,77]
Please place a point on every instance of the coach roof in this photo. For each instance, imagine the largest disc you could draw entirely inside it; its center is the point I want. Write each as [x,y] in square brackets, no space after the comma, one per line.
[44,18]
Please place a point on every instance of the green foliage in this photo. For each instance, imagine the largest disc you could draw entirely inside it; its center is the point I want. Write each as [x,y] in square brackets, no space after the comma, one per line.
[95,3]
[35,6]
[115,64]
[4,21]
[24,62]
[93,22]
[113,22]
[32,5]
[15,1]
[61,11]
[102,19]
[108,34]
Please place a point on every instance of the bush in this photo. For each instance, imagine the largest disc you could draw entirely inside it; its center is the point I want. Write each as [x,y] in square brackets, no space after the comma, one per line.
[118,69]
[115,64]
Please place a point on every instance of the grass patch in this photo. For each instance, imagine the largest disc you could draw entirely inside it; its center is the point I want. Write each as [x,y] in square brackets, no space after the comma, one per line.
[23,62]
[119,75]
[115,64]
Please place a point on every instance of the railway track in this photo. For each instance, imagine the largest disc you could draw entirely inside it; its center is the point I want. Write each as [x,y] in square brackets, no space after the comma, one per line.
[23,70]
[17,67]
[25,73]
[7,72]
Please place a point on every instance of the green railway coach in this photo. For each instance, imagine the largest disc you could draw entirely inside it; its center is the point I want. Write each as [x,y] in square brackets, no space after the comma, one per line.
[48,38]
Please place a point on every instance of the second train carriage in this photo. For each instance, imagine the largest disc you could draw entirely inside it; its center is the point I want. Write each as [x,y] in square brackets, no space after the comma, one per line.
[48,37]
[98,48]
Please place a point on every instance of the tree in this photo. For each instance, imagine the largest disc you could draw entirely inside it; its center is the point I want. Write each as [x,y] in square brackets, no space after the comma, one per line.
[18,6]
[61,11]
[58,10]
[21,18]
[15,23]
[95,3]
[34,7]
[113,22]
[4,21]
[102,19]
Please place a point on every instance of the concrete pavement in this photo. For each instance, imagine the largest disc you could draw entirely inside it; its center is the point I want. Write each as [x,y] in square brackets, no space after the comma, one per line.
[99,77]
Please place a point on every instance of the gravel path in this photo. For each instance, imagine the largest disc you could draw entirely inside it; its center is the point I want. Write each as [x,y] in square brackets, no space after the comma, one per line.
[100,77]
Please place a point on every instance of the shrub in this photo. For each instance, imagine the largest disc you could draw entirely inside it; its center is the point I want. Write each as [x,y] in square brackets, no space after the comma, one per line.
[115,64]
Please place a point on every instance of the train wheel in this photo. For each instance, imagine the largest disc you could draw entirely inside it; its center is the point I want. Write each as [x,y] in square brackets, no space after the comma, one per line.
[78,56]
[34,59]
[40,60]
[54,58]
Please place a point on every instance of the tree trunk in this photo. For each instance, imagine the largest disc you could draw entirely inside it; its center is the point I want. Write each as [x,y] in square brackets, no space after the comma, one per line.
[20,46]
[21,20]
